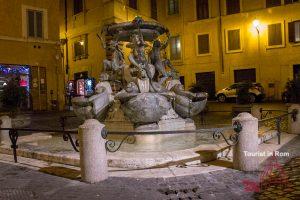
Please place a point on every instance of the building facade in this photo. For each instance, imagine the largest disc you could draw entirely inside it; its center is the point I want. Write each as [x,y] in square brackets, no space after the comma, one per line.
[214,42]
[220,42]
[30,50]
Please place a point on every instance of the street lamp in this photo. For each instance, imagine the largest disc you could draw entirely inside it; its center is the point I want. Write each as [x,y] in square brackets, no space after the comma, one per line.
[256,24]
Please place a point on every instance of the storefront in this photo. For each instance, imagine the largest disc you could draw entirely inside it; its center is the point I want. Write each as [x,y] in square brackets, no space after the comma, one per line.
[20,73]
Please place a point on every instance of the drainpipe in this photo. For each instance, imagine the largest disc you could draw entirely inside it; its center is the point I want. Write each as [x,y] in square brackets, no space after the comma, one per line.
[66,30]
[220,38]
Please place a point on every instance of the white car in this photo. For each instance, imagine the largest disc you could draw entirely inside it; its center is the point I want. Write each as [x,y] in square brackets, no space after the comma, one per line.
[256,92]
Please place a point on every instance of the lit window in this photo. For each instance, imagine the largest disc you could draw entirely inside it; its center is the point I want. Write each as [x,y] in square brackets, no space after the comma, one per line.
[35,23]
[233,40]
[133,4]
[294,31]
[290,1]
[77,6]
[203,44]
[175,48]
[232,6]
[272,3]
[274,34]
[80,48]
[173,7]
[202,9]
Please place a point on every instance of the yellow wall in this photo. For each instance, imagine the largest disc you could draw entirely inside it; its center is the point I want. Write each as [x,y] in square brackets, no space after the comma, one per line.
[16,48]
[272,65]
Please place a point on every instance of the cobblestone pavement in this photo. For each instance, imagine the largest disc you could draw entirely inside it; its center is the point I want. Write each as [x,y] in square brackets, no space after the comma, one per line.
[22,183]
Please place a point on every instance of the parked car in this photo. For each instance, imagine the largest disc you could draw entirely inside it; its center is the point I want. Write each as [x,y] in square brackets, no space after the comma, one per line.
[256,92]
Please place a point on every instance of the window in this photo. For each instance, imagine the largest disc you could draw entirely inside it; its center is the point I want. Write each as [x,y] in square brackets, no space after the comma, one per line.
[233,40]
[294,32]
[35,23]
[272,3]
[175,48]
[80,48]
[290,1]
[274,34]
[133,4]
[173,7]
[202,9]
[203,44]
[232,6]
[77,6]
[153,9]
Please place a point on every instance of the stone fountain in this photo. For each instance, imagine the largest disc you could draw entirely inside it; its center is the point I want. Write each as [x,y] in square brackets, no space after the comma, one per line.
[143,89]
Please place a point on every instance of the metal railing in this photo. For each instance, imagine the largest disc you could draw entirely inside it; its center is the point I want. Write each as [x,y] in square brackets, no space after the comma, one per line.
[129,136]
[275,122]
[14,135]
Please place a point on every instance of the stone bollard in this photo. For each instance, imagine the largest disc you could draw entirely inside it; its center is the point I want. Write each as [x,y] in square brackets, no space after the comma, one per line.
[4,134]
[294,126]
[93,159]
[244,151]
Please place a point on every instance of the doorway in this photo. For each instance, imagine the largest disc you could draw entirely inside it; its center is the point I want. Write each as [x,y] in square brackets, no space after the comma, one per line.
[245,75]
[206,80]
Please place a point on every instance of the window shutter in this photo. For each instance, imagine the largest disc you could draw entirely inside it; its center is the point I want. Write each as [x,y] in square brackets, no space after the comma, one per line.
[234,40]
[203,44]
[202,9]
[274,34]
[292,35]
[39,24]
[232,6]
[30,16]
[153,9]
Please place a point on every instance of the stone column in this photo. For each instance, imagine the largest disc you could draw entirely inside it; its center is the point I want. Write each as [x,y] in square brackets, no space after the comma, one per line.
[5,122]
[247,145]
[93,158]
[294,126]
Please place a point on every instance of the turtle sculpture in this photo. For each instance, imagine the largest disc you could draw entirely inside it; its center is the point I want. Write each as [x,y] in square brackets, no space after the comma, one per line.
[147,88]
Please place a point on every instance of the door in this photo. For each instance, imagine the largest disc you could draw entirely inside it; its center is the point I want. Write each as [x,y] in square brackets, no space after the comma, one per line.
[296,72]
[207,81]
[245,75]
[38,88]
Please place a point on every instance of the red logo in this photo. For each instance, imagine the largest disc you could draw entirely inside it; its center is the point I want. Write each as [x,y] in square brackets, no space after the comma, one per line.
[273,174]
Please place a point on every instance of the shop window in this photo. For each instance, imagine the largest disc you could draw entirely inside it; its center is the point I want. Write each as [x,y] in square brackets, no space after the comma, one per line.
[232,6]
[203,44]
[233,40]
[272,3]
[175,48]
[80,48]
[77,6]
[173,7]
[290,1]
[153,9]
[274,34]
[133,4]
[35,23]
[294,31]
[202,9]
